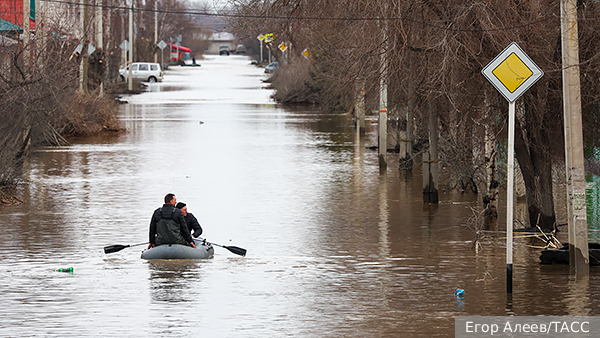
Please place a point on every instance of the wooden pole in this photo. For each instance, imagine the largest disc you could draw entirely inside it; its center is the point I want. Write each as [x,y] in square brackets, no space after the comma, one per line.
[99,38]
[156,31]
[130,77]
[41,28]
[26,33]
[383,104]
[575,171]
[83,67]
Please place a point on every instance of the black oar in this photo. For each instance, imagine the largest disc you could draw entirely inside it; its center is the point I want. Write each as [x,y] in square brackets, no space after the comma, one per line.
[118,247]
[234,249]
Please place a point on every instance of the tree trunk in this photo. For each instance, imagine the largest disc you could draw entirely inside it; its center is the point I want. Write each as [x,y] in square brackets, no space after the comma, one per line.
[360,106]
[405,160]
[490,199]
[536,167]
[430,159]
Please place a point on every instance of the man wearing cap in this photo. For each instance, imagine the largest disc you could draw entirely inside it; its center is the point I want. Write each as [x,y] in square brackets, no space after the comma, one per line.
[167,225]
[190,220]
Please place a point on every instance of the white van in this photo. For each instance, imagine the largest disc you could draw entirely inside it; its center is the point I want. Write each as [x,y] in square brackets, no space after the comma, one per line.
[144,71]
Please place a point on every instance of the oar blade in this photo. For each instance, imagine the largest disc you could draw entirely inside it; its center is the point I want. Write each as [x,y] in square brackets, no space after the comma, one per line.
[236,250]
[114,248]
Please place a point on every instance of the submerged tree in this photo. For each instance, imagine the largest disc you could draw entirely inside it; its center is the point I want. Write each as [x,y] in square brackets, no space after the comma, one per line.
[436,51]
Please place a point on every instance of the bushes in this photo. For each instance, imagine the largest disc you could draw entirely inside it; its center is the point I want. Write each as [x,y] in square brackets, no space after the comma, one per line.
[89,115]
[291,84]
[298,83]
[40,104]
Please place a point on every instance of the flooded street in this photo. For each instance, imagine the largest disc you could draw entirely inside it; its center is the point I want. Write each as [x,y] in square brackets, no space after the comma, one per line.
[335,248]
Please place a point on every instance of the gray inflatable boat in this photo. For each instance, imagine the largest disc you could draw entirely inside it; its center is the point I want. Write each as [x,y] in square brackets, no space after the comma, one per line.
[203,250]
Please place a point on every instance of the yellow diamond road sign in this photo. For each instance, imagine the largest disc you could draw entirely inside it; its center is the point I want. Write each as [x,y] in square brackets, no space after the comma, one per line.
[282,47]
[512,72]
[306,52]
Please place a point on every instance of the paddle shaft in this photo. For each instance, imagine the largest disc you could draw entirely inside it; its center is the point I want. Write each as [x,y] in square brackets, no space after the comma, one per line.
[234,249]
[119,247]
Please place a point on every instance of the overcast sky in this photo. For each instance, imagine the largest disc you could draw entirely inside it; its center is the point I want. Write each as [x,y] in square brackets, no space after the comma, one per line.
[212,4]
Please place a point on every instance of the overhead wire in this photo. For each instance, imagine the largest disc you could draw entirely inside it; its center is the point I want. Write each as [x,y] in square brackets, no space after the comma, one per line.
[306,18]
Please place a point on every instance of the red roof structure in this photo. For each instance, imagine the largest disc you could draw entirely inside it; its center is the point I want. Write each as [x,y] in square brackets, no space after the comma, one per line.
[181,48]
[11,14]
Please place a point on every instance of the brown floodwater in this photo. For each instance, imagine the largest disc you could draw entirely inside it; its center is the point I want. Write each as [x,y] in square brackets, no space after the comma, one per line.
[336,248]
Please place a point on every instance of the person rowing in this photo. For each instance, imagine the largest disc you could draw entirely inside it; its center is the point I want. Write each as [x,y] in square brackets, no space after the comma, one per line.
[191,221]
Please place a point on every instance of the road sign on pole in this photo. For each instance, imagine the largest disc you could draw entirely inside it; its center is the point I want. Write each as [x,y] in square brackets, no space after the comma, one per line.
[162,45]
[124,45]
[306,52]
[512,72]
[261,38]
[90,49]
[282,47]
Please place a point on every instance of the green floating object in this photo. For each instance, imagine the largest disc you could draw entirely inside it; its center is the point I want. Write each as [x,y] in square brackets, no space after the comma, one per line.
[65,270]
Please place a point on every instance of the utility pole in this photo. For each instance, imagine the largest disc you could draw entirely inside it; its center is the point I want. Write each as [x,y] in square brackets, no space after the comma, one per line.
[383,101]
[130,77]
[124,54]
[99,38]
[576,200]
[26,33]
[83,67]
[40,30]
[156,31]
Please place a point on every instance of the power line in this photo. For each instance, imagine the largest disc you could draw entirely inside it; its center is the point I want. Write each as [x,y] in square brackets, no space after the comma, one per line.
[306,18]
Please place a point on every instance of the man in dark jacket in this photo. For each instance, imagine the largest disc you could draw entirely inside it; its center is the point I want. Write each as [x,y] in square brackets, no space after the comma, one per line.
[168,226]
[190,220]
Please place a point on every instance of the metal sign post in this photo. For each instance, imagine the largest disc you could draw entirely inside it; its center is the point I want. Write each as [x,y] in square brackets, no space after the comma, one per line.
[124,48]
[261,38]
[512,72]
[282,48]
[268,40]
[162,45]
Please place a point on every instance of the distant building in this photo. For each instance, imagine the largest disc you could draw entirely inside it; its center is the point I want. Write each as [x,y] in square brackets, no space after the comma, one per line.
[11,17]
[219,39]
[62,18]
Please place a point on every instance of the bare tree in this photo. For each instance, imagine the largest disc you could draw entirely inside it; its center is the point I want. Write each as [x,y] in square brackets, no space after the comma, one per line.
[436,52]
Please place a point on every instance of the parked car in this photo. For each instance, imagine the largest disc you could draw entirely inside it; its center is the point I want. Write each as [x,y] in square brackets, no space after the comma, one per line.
[273,66]
[223,49]
[240,49]
[144,71]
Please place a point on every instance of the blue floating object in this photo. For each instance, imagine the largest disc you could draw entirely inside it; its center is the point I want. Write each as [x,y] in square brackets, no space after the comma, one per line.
[459,293]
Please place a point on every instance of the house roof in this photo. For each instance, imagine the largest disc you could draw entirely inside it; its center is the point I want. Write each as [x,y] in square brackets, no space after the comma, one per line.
[222,36]
[181,48]
[8,26]
[4,41]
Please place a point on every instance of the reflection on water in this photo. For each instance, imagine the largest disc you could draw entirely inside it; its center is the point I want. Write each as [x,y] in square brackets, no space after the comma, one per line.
[335,248]
[170,280]
[158,87]
[577,300]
